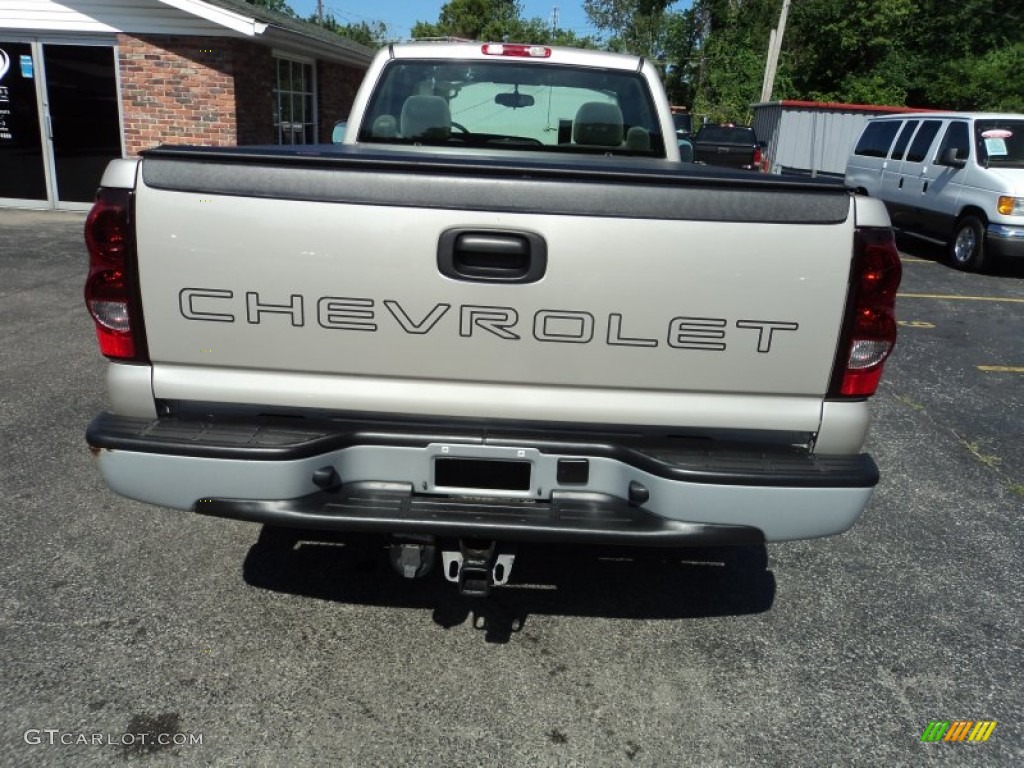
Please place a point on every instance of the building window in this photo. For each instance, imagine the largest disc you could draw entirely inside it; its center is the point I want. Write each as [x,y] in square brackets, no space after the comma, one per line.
[294,102]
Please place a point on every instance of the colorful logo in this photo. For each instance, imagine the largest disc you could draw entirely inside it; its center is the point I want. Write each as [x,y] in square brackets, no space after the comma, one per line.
[5,63]
[958,730]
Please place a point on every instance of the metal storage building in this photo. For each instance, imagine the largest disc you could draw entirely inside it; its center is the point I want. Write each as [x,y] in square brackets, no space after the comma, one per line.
[812,137]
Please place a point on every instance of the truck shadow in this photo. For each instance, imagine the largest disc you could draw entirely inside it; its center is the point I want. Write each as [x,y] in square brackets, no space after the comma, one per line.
[924,249]
[629,583]
[921,249]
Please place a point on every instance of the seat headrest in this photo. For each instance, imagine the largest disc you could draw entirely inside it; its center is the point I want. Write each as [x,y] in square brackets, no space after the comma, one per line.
[598,123]
[638,139]
[384,127]
[425,117]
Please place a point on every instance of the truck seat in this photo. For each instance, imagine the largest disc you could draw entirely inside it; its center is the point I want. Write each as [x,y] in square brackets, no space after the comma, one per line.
[638,139]
[384,127]
[425,117]
[598,123]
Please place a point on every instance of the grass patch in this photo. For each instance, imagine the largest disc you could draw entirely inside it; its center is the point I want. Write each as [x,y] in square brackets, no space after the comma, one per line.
[989,460]
[910,403]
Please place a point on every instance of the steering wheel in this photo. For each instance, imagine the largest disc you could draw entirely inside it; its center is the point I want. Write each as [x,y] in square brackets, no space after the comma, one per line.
[460,126]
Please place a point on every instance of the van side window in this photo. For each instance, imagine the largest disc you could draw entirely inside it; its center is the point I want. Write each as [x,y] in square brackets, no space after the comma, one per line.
[904,139]
[923,140]
[877,138]
[957,137]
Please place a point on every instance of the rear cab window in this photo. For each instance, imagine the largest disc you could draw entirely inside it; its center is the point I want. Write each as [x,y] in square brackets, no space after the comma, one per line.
[505,106]
[726,134]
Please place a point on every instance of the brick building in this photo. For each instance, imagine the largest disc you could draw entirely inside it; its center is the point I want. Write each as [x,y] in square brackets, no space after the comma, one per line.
[85,81]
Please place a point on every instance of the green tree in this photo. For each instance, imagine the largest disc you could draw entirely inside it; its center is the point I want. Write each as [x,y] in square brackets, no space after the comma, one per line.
[278,6]
[473,20]
[371,34]
[495,20]
[990,82]
[634,26]
[729,43]
[968,55]
[850,50]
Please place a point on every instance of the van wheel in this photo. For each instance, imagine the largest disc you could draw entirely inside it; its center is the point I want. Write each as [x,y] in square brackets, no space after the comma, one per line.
[967,249]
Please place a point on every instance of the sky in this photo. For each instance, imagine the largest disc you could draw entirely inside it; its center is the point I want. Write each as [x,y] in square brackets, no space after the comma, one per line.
[400,15]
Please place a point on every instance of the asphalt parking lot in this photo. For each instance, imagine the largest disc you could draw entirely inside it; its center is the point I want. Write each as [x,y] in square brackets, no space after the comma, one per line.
[122,621]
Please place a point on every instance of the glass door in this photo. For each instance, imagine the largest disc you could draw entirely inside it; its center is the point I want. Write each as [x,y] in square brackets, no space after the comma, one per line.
[85,124]
[22,163]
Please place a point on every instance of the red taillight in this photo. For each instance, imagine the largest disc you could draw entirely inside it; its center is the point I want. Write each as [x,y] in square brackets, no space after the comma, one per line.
[758,159]
[109,289]
[870,331]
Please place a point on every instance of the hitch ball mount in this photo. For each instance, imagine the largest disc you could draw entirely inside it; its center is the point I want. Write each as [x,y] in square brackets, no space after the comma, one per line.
[476,566]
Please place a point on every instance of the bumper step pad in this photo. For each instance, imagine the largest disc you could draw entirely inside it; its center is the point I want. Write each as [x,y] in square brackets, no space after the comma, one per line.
[579,518]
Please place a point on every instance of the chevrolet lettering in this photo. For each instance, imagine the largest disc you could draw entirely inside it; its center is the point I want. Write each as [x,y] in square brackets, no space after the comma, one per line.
[554,325]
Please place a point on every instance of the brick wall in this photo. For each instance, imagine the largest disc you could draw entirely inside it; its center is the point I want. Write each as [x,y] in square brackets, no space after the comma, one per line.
[254,83]
[336,90]
[177,90]
[212,91]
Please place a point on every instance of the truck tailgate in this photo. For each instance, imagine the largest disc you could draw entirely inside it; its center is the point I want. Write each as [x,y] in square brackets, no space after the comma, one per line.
[724,155]
[664,298]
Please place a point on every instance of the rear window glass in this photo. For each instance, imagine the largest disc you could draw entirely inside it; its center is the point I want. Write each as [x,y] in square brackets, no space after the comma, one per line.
[877,138]
[724,134]
[511,104]
[683,122]
[922,140]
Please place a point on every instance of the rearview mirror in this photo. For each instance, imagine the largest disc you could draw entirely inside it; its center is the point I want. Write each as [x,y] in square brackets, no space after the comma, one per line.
[514,100]
[949,157]
[338,132]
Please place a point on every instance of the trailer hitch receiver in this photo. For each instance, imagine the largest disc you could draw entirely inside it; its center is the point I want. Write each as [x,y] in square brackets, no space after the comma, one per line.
[477,566]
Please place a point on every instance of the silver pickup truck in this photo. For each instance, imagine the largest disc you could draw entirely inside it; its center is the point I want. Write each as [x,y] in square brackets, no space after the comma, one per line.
[501,311]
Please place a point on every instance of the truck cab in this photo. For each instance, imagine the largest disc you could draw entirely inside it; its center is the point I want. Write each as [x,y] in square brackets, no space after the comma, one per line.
[729,145]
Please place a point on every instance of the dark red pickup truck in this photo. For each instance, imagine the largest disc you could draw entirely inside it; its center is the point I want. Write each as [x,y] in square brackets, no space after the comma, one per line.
[731,146]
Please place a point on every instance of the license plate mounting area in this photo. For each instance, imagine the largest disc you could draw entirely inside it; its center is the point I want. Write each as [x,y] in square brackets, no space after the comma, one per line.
[495,471]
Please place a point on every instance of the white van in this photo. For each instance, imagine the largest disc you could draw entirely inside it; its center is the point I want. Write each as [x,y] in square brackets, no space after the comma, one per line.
[957,177]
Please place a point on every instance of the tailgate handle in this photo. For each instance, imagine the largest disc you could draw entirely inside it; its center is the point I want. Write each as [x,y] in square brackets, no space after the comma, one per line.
[492,256]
